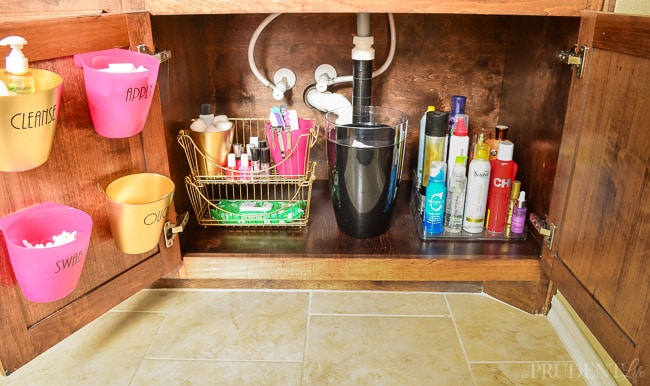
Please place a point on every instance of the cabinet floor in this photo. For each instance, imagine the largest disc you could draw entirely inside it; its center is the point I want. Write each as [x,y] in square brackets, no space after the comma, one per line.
[285,337]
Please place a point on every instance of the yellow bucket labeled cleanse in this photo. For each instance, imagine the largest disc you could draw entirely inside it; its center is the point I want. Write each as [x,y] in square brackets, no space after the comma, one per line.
[27,123]
[139,204]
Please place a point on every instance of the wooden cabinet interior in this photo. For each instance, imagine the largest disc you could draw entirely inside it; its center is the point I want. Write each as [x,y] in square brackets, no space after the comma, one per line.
[505,65]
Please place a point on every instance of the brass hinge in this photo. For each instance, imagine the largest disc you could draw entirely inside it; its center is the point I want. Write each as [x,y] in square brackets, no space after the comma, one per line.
[575,57]
[162,56]
[171,230]
[544,229]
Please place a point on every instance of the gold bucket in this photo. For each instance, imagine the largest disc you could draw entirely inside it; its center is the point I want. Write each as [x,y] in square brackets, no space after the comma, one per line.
[215,147]
[27,123]
[139,204]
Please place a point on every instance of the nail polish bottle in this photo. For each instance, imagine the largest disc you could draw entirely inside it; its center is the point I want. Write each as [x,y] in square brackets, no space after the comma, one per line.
[244,168]
[231,167]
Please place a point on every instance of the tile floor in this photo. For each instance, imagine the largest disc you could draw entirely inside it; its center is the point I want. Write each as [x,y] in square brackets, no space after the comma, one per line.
[230,337]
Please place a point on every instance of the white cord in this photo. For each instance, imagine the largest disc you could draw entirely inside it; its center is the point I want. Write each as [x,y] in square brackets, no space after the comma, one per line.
[251,50]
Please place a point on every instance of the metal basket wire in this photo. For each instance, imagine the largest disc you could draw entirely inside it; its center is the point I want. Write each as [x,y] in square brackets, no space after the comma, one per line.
[290,200]
[214,193]
[204,169]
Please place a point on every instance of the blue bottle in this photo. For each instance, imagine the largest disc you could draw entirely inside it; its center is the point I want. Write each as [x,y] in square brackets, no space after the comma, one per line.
[434,206]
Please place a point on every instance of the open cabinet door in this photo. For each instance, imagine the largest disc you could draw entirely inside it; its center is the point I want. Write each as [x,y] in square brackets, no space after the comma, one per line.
[79,160]
[600,260]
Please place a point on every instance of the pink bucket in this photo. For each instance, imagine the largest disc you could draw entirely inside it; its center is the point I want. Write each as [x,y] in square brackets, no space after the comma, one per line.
[51,273]
[119,102]
[296,148]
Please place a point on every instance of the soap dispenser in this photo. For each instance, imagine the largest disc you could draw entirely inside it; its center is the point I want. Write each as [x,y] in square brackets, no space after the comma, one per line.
[16,75]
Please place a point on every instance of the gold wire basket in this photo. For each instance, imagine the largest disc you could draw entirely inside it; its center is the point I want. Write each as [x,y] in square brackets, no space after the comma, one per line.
[206,157]
[276,196]
[272,203]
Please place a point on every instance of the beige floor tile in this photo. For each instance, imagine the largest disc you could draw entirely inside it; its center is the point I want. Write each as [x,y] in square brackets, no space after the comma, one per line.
[378,303]
[107,351]
[534,373]
[494,331]
[372,350]
[149,300]
[155,372]
[234,326]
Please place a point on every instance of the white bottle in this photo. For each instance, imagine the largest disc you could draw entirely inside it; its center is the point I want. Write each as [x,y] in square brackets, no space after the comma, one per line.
[456,197]
[17,76]
[478,183]
[458,142]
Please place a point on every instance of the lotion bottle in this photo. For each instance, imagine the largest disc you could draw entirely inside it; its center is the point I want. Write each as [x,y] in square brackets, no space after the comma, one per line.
[434,207]
[478,182]
[17,76]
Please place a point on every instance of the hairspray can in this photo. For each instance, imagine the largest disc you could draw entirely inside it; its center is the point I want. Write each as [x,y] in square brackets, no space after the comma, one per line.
[503,173]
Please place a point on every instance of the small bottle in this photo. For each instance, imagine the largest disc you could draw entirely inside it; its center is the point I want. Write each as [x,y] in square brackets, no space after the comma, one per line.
[421,138]
[265,159]
[457,107]
[237,149]
[206,114]
[16,75]
[500,132]
[504,171]
[519,214]
[255,159]
[478,182]
[456,197]
[244,168]
[231,167]
[512,202]
[458,142]
[434,207]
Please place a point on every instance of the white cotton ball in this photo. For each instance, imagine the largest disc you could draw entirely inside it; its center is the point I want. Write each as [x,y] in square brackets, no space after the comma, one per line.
[220,118]
[199,126]
[224,125]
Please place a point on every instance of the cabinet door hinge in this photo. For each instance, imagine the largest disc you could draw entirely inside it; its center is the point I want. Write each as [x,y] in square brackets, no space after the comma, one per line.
[575,57]
[162,56]
[170,230]
[544,229]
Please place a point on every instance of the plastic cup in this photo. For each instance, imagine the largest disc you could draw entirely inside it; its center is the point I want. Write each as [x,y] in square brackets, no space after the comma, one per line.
[296,145]
[139,204]
[119,102]
[47,274]
[365,153]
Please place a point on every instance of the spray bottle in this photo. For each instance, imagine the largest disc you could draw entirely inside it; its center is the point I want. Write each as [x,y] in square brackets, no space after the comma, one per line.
[519,214]
[421,139]
[478,182]
[17,77]
[434,207]
[504,171]
[458,142]
[456,197]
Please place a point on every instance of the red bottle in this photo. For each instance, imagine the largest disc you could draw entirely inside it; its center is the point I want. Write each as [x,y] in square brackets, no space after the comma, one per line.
[504,172]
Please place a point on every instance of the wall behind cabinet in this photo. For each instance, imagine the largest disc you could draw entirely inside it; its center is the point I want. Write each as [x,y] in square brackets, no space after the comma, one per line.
[437,56]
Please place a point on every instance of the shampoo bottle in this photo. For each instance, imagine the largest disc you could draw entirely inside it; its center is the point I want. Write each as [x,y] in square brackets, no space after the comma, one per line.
[478,182]
[421,140]
[458,142]
[504,171]
[434,207]
[519,214]
[456,197]
[17,77]
[434,142]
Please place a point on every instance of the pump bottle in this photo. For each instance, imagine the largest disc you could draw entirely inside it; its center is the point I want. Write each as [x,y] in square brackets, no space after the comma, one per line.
[504,171]
[17,77]
[478,182]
